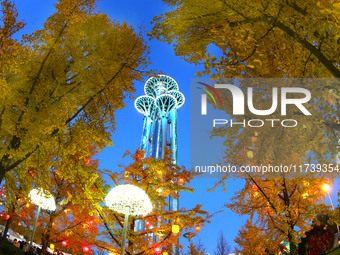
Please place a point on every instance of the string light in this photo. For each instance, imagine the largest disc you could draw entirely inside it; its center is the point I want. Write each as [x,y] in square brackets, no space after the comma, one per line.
[198,228]
[158,250]
[175,229]
[86,248]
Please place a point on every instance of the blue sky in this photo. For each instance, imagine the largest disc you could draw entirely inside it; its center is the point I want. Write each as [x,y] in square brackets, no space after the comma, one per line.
[129,121]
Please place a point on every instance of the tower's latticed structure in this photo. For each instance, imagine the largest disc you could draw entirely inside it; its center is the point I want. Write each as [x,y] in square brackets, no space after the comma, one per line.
[159,105]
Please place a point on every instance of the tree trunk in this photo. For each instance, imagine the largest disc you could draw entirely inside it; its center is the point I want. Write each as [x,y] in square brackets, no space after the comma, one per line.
[292,244]
[47,235]
[45,241]
[8,222]
[2,173]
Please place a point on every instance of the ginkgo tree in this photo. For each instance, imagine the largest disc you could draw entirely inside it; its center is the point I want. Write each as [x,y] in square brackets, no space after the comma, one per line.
[72,225]
[68,77]
[159,179]
[267,39]
[262,39]
[279,209]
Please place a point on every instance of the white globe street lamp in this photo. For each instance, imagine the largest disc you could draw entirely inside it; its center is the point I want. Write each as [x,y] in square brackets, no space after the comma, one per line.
[128,199]
[44,200]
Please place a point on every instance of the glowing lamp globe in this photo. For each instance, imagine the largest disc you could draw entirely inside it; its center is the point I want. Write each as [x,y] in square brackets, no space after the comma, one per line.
[147,223]
[8,216]
[128,200]
[165,253]
[123,196]
[175,229]
[52,246]
[158,250]
[43,199]
[326,187]
[198,228]
[64,243]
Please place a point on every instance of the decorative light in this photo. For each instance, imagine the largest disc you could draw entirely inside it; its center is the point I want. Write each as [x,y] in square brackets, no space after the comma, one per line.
[254,187]
[130,196]
[158,250]
[181,181]
[42,198]
[128,199]
[147,223]
[198,228]
[8,216]
[165,253]
[86,248]
[87,161]
[326,187]
[64,243]
[175,229]
[27,205]
[52,246]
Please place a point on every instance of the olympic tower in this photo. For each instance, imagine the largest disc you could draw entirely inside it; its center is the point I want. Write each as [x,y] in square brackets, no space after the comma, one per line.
[159,106]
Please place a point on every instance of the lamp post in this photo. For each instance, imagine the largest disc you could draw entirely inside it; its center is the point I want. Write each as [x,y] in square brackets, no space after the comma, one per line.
[44,200]
[128,200]
[326,188]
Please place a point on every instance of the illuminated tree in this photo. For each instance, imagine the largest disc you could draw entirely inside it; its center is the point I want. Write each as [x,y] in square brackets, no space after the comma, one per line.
[158,178]
[67,78]
[262,39]
[72,225]
[279,209]
[266,39]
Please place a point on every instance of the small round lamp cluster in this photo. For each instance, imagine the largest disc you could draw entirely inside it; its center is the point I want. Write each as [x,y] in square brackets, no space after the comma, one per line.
[129,196]
[161,96]
[128,199]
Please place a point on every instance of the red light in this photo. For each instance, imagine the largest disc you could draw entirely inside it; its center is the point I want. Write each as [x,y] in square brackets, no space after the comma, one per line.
[8,216]
[158,250]
[86,249]
[87,161]
[147,223]
[64,243]
[254,187]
